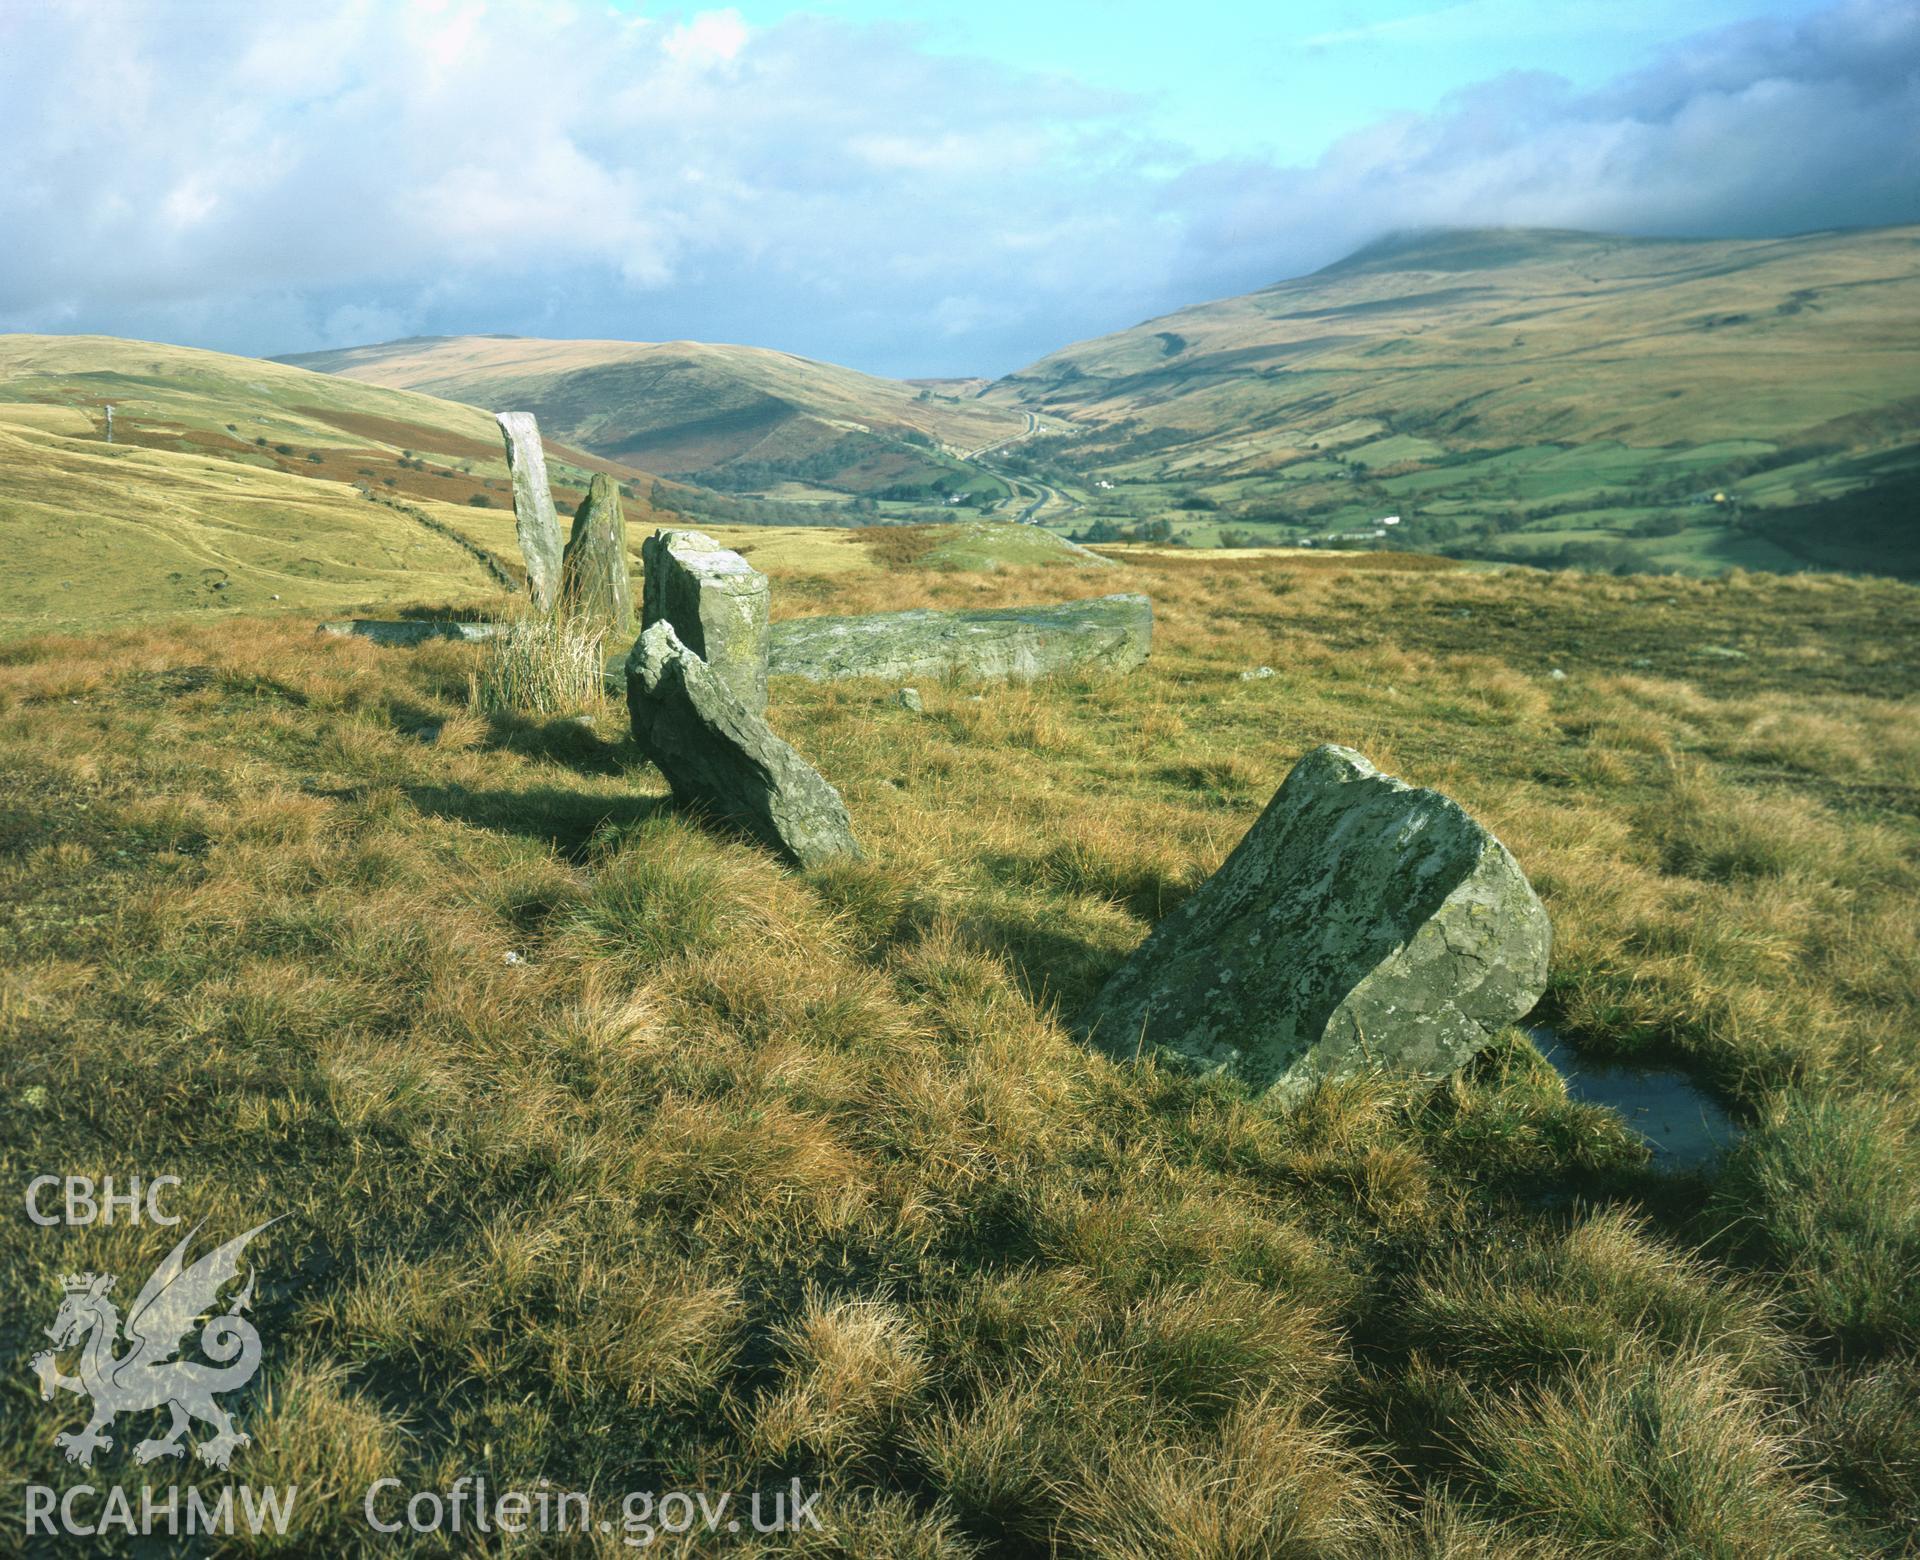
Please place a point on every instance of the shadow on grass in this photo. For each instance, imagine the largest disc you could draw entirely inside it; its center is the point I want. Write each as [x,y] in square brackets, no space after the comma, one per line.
[418,721]
[448,614]
[564,819]
[1053,968]
[573,742]
[1144,889]
[569,741]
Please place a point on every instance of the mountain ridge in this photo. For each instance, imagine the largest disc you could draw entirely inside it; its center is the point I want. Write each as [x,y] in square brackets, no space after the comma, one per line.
[1515,392]
[730,416]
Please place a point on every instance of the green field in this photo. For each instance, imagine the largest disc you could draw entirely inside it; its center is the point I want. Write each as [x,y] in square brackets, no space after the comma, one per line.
[1493,388]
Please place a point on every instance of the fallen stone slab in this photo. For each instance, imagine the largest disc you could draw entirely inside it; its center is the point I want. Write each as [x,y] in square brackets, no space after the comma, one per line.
[717,604]
[412,631]
[722,758]
[1105,634]
[534,521]
[1361,923]
[594,582]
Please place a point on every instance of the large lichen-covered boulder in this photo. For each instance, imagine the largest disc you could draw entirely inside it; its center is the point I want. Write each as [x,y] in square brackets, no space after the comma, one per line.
[534,521]
[593,569]
[722,758]
[1106,634]
[1361,923]
[717,604]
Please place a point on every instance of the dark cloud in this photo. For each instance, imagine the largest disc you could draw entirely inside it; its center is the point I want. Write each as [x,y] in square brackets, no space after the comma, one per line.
[1767,127]
[261,179]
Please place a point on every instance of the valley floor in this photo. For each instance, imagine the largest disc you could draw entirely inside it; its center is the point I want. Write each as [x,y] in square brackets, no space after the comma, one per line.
[612,1154]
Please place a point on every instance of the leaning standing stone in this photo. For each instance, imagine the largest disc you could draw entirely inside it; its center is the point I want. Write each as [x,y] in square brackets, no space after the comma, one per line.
[1359,924]
[533,517]
[717,604]
[593,570]
[722,758]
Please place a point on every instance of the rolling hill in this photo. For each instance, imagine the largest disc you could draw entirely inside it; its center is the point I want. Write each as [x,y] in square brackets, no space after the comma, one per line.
[1525,393]
[236,484]
[740,419]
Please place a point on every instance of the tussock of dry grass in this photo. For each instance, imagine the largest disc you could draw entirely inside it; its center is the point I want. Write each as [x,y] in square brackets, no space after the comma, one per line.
[1604,1289]
[1823,1188]
[613,1153]
[1667,1456]
[1868,1419]
[1271,1482]
[853,1366]
[542,666]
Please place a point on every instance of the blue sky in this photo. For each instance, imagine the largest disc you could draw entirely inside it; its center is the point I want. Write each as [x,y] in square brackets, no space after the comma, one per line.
[1286,80]
[906,187]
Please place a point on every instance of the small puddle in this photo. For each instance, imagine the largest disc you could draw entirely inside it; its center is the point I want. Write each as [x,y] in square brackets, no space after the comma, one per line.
[1686,1128]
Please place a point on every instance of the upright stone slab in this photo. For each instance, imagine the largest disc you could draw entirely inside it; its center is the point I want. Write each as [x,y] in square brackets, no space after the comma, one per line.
[717,604]
[593,570]
[533,517]
[721,757]
[1360,923]
[1106,634]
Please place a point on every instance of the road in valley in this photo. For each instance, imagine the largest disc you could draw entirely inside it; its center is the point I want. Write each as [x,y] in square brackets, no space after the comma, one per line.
[1032,427]
[1040,493]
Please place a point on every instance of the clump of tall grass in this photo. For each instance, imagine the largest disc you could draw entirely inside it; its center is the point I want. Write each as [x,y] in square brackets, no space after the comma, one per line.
[1603,1288]
[542,666]
[1823,1192]
[1276,1480]
[855,1363]
[1671,1456]
[1867,1421]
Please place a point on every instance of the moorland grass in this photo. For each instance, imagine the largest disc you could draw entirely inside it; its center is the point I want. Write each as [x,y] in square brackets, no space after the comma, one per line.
[614,1154]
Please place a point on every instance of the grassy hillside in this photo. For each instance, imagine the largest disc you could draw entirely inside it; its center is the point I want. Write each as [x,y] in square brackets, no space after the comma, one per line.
[736,418]
[977,545]
[235,485]
[1522,393]
[616,1156]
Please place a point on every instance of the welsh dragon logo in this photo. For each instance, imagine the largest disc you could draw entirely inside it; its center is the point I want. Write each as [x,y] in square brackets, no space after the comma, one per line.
[147,1376]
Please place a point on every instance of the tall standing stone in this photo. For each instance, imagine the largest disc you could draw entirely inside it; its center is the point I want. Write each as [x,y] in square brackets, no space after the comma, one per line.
[1359,924]
[722,758]
[533,518]
[593,570]
[717,604]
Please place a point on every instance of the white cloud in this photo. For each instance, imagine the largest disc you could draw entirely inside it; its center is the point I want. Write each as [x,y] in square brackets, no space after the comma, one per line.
[188,203]
[266,179]
[711,38]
